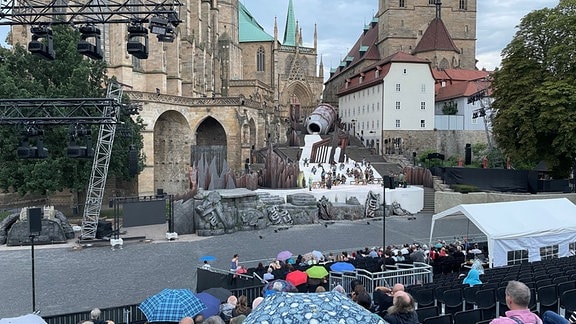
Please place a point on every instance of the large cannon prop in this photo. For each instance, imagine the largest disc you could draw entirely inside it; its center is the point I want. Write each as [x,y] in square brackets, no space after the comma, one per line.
[321,120]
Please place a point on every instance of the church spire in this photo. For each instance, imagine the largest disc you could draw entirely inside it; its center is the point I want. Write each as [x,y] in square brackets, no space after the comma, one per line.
[315,37]
[321,68]
[438,9]
[290,29]
[275,31]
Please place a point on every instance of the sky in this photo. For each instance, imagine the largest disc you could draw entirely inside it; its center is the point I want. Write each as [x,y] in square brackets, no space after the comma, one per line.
[340,23]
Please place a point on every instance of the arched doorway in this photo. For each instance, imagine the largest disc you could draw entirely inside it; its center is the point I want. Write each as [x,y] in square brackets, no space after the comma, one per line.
[172,137]
[211,143]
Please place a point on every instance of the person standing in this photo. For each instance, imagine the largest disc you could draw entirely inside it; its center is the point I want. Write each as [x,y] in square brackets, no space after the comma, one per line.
[234,263]
[517,300]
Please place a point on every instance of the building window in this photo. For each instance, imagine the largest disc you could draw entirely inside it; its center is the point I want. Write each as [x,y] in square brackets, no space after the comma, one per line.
[463,5]
[423,105]
[474,121]
[377,74]
[432,2]
[377,124]
[423,88]
[549,252]
[397,104]
[517,257]
[377,106]
[401,3]
[372,107]
[466,29]
[405,71]
[260,60]
[397,123]
[422,123]
[397,87]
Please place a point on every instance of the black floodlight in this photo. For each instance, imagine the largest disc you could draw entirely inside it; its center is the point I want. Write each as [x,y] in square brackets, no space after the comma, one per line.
[90,42]
[137,41]
[42,43]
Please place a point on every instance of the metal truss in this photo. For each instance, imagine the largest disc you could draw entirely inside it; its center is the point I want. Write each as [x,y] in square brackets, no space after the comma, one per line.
[58,111]
[32,12]
[102,156]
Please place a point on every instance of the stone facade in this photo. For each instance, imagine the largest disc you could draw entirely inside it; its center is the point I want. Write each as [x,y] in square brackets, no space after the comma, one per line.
[449,143]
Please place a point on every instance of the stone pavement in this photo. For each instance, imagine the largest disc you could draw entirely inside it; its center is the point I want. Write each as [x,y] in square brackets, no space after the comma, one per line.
[71,279]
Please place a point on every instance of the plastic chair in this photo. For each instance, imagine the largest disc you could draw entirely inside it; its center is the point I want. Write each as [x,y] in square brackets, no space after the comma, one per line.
[469,294]
[568,302]
[424,297]
[468,316]
[453,301]
[547,298]
[440,319]
[426,312]
[486,301]
[501,299]
[564,286]
[543,282]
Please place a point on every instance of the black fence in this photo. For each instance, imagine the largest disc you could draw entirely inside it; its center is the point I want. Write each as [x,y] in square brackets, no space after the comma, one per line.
[501,180]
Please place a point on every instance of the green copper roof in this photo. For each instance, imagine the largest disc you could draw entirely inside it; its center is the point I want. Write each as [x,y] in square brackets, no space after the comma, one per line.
[250,29]
[290,29]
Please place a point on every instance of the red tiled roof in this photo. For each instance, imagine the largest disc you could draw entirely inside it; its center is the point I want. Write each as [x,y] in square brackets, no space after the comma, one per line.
[436,38]
[368,38]
[458,83]
[369,73]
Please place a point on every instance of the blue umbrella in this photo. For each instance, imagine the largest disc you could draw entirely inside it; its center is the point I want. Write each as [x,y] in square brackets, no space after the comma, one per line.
[171,305]
[326,307]
[343,267]
[212,304]
[208,258]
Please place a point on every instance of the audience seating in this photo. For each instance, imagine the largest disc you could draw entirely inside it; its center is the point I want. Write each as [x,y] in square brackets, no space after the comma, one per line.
[469,294]
[453,301]
[426,312]
[440,319]
[468,316]
[486,301]
[425,297]
[568,301]
[547,298]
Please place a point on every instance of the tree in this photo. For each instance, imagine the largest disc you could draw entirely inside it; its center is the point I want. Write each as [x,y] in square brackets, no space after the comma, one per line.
[535,90]
[71,75]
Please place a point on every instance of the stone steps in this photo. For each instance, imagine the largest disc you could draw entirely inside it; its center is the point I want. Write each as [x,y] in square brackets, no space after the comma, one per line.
[270,200]
[429,194]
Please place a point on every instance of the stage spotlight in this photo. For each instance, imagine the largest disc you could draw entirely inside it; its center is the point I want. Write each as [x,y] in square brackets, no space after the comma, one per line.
[158,25]
[168,37]
[137,41]
[76,150]
[42,43]
[90,42]
[174,19]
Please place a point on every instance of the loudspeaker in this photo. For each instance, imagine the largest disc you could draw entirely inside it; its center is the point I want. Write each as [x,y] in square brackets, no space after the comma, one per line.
[387,182]
[133,162]
[159,193]
[468,155]
[35,220]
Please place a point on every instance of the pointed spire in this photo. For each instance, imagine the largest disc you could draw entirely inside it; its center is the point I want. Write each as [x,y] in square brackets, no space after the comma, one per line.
[316,38]
[300,37]
[290,29]
[275,32]
[321,68]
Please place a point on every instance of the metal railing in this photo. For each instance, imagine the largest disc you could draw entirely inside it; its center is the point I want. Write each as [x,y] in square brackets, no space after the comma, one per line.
[406,274]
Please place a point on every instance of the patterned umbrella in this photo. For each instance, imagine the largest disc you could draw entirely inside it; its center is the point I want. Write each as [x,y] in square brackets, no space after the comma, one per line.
[317,272]
[343,267]
[297,277]
[171,305]
[326,307]
[284,255]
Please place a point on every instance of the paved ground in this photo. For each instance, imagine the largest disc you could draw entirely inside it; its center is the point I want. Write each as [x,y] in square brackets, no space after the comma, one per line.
[71,280]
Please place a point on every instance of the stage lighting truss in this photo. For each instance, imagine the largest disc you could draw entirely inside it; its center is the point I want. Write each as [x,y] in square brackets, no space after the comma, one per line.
[90,43]
[42,43]
[137,40]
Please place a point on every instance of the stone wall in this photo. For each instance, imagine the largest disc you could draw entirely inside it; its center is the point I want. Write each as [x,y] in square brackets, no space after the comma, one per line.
[445,200]
[448,142]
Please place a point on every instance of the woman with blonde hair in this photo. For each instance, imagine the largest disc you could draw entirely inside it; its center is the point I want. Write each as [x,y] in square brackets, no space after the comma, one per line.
[242,307]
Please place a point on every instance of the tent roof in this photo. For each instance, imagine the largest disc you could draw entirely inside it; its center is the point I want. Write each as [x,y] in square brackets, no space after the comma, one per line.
[526,218]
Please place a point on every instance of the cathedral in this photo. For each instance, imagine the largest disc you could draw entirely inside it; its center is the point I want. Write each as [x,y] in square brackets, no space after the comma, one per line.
[223,88]
[442,32]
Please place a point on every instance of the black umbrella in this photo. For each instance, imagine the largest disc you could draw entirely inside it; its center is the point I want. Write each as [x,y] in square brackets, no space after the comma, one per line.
[221,293]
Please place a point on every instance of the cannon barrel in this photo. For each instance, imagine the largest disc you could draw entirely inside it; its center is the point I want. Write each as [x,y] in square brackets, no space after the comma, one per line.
[321,119]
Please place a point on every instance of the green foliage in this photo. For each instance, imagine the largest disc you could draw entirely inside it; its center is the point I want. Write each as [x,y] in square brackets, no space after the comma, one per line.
[71,75]
[450,108]
[535,91]
[464,188]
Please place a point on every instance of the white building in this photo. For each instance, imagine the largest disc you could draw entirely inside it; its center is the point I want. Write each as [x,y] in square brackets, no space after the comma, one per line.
[396,94]
[458,88]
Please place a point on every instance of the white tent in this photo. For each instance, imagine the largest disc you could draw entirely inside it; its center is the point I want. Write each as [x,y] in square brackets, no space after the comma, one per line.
[520,226]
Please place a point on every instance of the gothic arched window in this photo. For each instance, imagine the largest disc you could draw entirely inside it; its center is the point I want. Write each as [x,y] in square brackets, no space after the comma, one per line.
[260,60]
